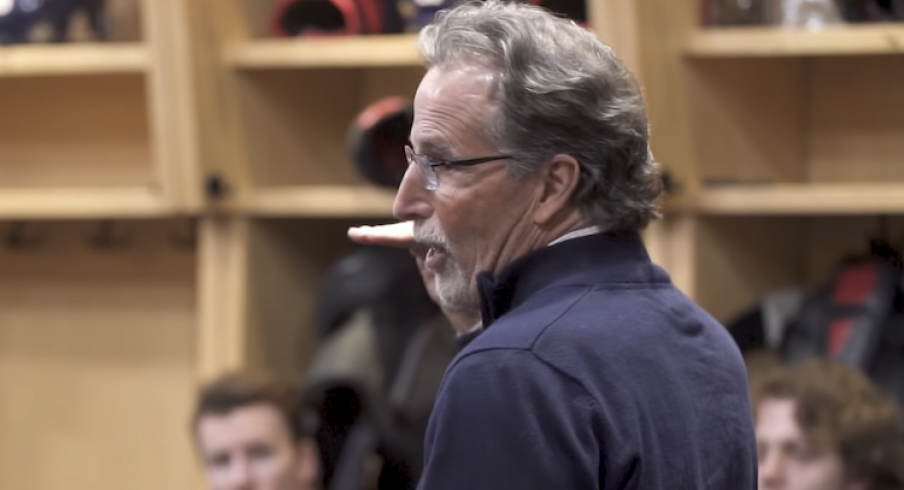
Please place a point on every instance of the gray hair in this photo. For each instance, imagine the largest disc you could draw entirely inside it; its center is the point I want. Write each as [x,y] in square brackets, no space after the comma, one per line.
[559,90]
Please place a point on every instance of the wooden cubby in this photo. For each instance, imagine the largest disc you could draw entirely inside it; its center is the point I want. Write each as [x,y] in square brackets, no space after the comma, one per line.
[220,152]
[823,120]
[285,267]
[278,89]
[787,144]
[98,126]
[95,128]
[288,175]
[739,259]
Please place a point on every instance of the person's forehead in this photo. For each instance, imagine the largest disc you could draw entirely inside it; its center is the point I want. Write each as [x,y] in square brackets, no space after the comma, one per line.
[457,81]
[777,418]
[450,100]
[253,421]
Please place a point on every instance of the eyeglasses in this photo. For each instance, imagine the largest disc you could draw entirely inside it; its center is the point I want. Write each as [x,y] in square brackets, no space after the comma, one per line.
[427,165]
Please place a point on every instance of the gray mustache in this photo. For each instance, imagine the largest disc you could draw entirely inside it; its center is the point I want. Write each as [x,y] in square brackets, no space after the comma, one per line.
[430,238]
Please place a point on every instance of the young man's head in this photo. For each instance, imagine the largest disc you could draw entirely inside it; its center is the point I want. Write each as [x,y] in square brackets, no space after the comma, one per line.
[824,426]
[250,436]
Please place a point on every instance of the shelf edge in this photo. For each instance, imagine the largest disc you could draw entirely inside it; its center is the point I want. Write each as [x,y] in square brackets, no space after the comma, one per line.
[75,59]
[87,203]
[776,42]
[789,199]
[350,52]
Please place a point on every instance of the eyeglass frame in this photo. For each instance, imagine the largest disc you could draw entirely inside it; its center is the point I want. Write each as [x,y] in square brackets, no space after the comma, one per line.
[426,165]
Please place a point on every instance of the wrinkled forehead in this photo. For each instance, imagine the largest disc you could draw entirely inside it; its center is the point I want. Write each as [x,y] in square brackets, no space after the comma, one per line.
[456,82]
[450,104]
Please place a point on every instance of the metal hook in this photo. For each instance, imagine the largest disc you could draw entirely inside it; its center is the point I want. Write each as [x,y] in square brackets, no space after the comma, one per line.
[106,237]
[18,238]
[188,239]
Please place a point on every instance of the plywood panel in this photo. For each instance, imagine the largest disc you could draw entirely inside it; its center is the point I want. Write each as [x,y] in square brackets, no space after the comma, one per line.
[671,243]
[296,126]
[74,131]
[379,83]
[832,238]
[738,260]
[664,77]
[97,363]
[297,131]
[856,119]
[748,119]
[257,14]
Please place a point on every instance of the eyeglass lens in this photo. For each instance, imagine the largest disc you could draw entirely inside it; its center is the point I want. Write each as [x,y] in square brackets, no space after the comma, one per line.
[431,182]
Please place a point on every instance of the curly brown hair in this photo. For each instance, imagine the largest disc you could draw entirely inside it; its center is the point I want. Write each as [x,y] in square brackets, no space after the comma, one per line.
[839,407]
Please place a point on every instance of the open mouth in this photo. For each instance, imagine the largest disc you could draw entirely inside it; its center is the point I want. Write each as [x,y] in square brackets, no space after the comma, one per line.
[432,254]
[434,259]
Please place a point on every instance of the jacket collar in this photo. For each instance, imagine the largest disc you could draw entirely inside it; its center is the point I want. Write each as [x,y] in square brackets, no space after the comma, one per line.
[594,259]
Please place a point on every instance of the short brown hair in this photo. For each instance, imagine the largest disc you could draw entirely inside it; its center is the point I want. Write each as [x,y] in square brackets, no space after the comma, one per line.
[235,390]
[838,406]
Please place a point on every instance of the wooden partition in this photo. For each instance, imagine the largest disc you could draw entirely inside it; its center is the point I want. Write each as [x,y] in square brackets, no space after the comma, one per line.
[97,355]
[99,262]
[75,132]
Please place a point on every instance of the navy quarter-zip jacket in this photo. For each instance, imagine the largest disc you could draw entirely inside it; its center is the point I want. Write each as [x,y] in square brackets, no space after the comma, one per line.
[592,371]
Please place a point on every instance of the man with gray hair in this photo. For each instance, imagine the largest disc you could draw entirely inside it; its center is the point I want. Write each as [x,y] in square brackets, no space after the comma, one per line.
[530,179]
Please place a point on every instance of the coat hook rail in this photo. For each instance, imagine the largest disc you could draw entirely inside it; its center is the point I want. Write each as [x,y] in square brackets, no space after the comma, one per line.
[106,237]
[187,238]
[19,236]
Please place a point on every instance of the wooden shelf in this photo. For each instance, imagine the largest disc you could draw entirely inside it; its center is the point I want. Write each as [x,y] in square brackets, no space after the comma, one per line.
[777,42]
[68,203]
[346,52]
[802,199]
[321,201]
[73,59]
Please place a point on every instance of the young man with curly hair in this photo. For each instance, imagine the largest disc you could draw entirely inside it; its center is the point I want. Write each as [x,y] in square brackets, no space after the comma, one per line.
[824,426]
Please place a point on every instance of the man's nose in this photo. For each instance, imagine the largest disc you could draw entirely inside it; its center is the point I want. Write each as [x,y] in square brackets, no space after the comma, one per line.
[240,477]
[771,472]
[411,202]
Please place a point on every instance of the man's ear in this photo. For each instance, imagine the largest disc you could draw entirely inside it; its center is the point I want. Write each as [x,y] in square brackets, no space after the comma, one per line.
[558,181]
[308,464]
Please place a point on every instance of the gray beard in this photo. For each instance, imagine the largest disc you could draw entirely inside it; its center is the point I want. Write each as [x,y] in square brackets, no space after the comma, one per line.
[454,288]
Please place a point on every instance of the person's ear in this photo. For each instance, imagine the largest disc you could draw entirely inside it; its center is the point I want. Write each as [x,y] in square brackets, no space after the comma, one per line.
[558,181]
[308,464]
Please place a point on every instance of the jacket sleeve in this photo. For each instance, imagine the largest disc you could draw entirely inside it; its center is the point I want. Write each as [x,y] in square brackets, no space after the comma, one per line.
[505,419]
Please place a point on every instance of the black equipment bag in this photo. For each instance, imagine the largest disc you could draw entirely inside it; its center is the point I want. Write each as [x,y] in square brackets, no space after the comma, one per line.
[310,18]
[377,139]
[384,349]
[855,319]
[856,11]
